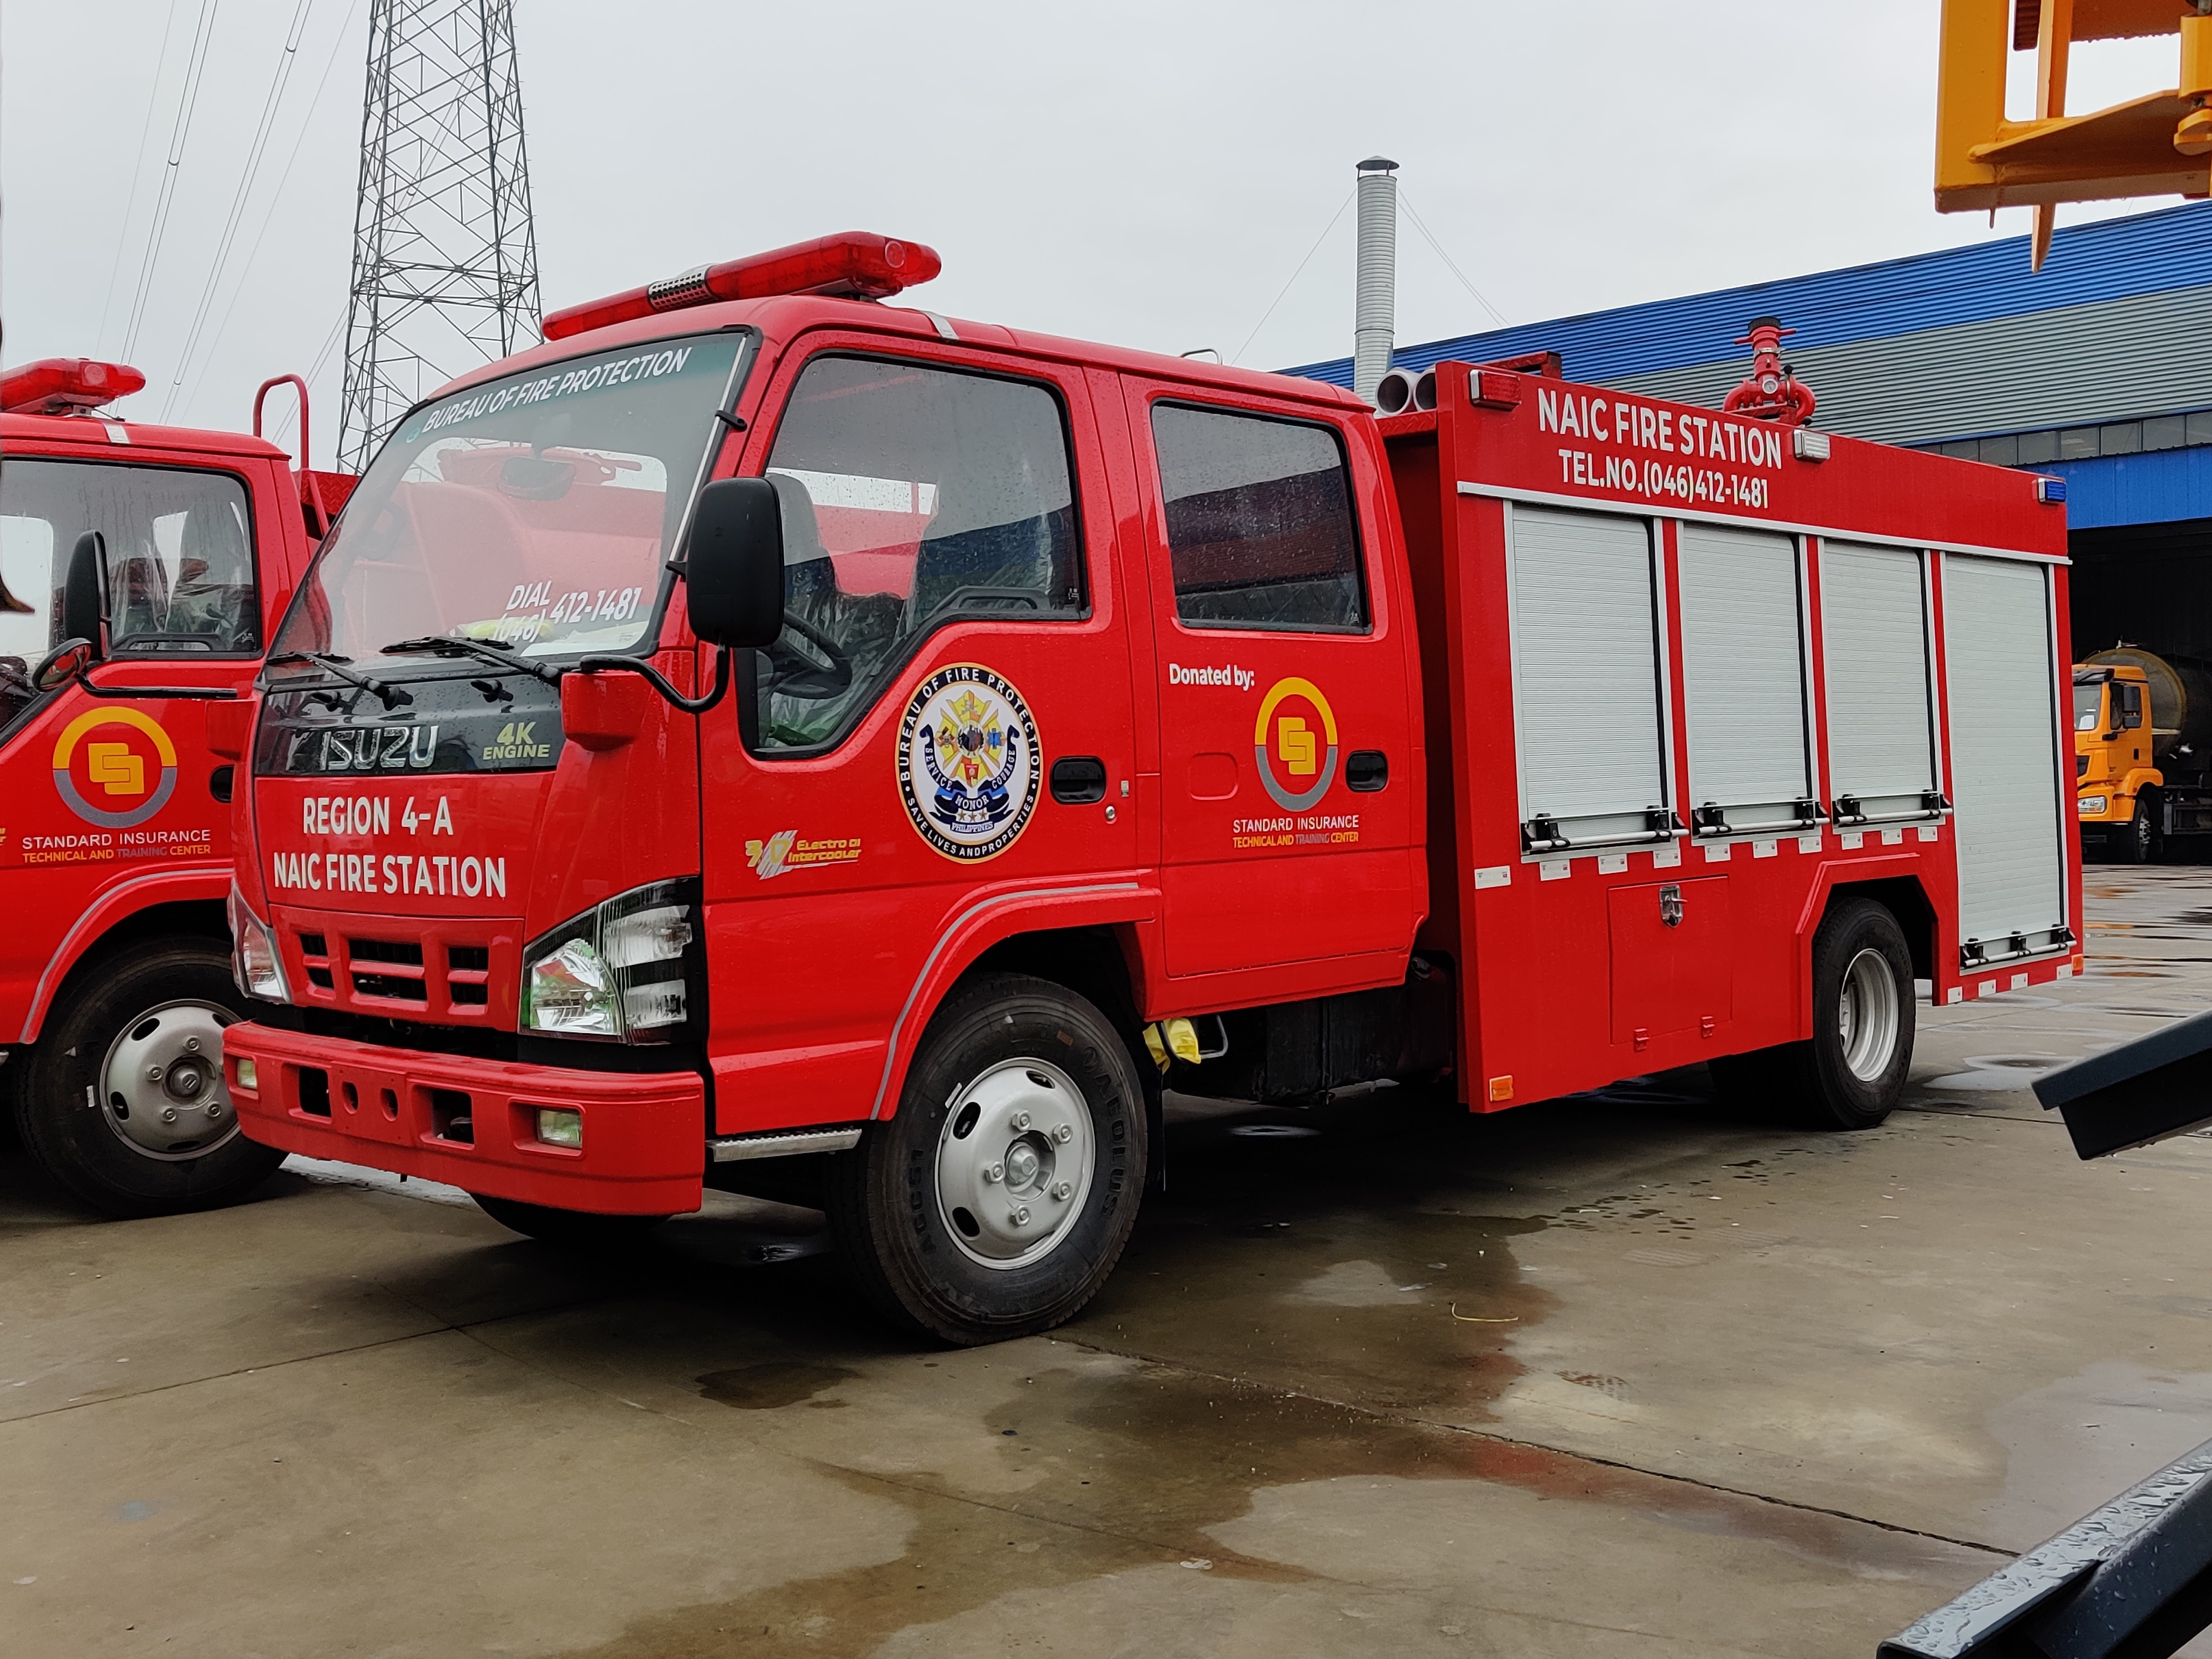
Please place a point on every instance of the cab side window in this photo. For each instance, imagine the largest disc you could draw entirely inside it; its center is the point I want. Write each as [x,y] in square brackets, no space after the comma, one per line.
[1260,525]
[178,579]
[913,497]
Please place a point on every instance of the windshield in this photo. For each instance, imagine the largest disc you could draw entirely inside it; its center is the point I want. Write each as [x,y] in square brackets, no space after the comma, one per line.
[533,512]
[2088,702]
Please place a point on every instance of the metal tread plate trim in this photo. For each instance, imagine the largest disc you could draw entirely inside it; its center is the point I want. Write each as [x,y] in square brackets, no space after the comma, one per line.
[736,1149]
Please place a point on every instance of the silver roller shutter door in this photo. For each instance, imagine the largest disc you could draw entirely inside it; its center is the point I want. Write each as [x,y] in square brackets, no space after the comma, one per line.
[1874,619]
[1586,679]
[1743,674]
[1997,637]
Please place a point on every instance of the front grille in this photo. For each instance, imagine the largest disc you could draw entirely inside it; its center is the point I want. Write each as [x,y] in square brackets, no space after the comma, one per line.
[434,973]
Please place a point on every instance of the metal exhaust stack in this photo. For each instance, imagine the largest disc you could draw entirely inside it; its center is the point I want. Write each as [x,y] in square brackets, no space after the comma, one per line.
[1375,318]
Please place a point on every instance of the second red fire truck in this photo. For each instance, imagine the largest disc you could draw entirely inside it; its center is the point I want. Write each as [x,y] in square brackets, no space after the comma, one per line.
[141,569]
[768,737]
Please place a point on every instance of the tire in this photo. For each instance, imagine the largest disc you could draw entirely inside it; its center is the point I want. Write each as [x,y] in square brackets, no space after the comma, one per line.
[2139,840]
[1850,1075]
[94,1115]
[568,1230]
[996,1200]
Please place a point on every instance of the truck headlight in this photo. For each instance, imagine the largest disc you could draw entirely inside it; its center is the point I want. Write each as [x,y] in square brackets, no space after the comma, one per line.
[254,962]
[619,972]
[2093,806]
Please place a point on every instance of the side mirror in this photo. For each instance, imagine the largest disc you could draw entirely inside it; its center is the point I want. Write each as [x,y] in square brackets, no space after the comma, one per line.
[83,609]
[62,664]
[733,564]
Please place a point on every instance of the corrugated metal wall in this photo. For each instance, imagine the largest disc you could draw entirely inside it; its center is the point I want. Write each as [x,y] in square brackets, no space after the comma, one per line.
[2114,359]
[1943,345]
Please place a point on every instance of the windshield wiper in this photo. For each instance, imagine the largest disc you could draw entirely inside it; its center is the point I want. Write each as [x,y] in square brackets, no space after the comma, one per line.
[390,696]
[495,652]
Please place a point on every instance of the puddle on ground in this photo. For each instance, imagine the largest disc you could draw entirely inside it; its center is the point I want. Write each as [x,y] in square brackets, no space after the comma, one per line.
[1353,1282]
[2076,1444]
[771,1383]
[2009,1071]
[1339,1263]
[1140,1465]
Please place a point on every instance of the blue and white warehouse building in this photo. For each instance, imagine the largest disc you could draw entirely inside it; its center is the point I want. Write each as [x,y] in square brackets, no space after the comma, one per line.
[2098,368]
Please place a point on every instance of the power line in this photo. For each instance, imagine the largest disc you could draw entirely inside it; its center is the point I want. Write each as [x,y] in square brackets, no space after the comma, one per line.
[1430,237]
[137,174]
[1295,275]
[283,428]
[285,59]
[445,263]
[187,101]
[252,257]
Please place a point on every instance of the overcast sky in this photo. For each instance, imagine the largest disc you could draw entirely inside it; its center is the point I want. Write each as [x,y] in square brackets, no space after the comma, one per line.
[1147,174]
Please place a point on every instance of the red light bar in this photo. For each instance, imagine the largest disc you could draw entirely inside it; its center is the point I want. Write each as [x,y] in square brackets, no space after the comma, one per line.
[55,385]
[852,266]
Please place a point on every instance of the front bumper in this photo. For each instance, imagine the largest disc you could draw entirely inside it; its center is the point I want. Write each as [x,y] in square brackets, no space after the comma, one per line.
[644,1141]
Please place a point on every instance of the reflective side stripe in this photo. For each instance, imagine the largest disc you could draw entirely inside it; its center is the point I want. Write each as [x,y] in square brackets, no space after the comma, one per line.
[898,1025]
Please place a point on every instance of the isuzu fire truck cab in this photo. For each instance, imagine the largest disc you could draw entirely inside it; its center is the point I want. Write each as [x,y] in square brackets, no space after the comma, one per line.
[165,555]
[790,742]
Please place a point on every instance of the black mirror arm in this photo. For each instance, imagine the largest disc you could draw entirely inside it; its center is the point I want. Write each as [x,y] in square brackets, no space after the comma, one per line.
[150,693]
[659,681]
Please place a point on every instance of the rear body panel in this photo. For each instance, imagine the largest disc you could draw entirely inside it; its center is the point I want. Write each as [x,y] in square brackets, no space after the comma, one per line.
[1550,889]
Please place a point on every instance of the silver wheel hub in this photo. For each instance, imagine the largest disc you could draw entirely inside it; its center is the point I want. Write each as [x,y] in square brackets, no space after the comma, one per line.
[1014,1163]
[162,1086]
[1867,1015]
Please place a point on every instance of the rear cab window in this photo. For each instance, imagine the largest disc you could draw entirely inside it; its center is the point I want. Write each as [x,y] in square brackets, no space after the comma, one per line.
[1260,528]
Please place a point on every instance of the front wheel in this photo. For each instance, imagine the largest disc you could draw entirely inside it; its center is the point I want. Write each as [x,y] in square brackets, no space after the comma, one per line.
[2140,839]
[998,1198]
[123,1101]
[1850,1075]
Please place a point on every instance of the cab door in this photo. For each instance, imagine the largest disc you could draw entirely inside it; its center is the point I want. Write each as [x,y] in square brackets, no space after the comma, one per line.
[1289,764]
[943,728]
[96,792]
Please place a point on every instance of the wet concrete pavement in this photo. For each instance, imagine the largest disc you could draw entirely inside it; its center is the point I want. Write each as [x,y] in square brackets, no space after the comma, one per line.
[1617,1375]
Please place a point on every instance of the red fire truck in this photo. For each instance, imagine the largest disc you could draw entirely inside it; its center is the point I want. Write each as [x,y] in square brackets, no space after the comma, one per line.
[1020,720]
[163,556]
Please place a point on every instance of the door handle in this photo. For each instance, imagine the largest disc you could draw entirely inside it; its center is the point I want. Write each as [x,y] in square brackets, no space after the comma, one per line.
[1079,779]
[1366,770]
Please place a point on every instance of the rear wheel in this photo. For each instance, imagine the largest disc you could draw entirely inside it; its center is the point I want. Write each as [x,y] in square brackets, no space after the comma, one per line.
[996,1201]
[1850,1075]
[123,1101]
[570,1229]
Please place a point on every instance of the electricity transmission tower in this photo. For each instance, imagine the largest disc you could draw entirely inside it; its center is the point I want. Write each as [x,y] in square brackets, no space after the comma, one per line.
[445,262]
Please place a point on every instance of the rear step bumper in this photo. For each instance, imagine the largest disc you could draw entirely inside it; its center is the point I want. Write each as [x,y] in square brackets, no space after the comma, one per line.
[473,1123]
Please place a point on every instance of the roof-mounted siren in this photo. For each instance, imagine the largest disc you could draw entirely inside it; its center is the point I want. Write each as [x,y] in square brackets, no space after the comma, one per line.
[65,385]
[1772,391]
[854,265]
